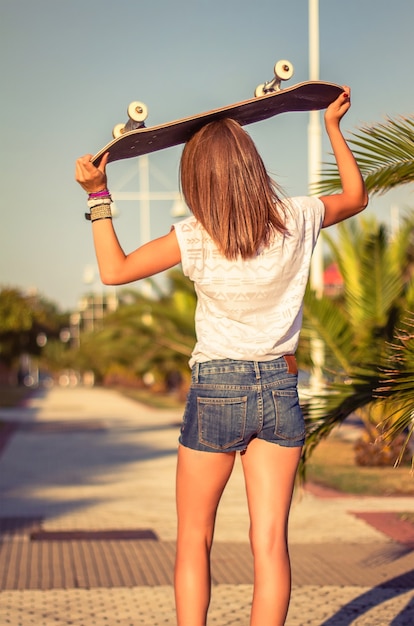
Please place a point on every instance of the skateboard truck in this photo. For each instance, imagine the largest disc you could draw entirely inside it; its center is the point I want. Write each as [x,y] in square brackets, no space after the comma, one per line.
[133,139]
[283,71]
[137,114]
[138,111]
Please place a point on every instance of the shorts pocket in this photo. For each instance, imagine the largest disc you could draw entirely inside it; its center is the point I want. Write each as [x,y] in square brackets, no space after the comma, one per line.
[290,424]
[221,421]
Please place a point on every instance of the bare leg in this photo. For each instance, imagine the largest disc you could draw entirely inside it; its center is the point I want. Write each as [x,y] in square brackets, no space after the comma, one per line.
[201,478]
[270,471]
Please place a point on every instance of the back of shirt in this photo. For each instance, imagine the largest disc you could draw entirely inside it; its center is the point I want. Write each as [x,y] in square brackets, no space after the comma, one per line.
[251,309]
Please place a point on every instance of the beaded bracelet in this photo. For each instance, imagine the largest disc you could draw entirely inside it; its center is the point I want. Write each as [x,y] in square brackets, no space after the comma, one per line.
[98,202]
[99,212]
[99,194]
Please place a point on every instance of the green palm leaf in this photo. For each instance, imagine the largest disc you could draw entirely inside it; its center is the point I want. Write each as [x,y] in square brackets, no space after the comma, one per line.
[330,408]
[373,277]
[384,153]
[323,317]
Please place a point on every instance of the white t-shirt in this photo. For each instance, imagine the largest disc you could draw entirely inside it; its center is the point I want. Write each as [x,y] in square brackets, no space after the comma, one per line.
[251,309]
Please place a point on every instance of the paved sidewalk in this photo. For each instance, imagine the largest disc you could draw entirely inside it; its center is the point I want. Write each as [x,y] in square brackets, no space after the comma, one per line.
[87,528]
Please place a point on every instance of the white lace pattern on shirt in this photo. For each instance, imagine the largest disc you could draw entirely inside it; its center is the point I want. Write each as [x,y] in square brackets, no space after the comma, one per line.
[251,309]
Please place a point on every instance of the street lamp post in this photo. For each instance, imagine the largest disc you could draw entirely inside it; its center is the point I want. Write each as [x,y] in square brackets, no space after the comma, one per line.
[315,140]
[314,166]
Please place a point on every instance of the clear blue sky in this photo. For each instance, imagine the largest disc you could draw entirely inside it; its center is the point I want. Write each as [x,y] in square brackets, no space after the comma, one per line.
[69,68]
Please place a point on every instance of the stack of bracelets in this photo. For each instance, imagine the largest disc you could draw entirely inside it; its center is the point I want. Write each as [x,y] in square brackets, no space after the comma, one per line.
[99,203]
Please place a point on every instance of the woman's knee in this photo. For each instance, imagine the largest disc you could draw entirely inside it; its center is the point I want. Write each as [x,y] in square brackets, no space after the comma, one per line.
[268,541]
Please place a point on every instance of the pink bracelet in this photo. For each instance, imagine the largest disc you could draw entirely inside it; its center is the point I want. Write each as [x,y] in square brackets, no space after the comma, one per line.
[99,194]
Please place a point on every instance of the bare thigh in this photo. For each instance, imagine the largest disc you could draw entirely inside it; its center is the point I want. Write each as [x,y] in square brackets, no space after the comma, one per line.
[201,478]
[269,471]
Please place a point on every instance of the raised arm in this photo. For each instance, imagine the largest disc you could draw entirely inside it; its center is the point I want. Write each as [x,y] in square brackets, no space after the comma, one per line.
[354,197]
[116,267]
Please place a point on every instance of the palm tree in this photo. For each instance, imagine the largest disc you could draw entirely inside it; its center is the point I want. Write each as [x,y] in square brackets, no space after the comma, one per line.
[368,333]
[145,335]
[358,327]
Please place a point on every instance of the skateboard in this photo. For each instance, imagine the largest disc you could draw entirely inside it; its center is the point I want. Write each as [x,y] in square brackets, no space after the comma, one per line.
[134,139]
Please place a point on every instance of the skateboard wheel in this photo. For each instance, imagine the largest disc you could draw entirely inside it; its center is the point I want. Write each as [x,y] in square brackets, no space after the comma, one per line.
[137,111]
[259,91]
[118,130]
[283,70]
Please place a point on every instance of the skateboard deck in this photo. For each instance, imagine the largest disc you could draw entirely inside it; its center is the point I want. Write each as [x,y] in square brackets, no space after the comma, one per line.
[306,96]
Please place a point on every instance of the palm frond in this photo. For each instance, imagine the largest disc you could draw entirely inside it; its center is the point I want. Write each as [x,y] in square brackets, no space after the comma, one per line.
[330,408]
[384,153]
[323,317]
[364,335]
[373,278]
[344,250]
[396,386]
[397,380]
[401,247]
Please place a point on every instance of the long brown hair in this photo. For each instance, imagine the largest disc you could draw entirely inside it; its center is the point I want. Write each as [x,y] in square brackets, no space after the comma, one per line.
[226,186]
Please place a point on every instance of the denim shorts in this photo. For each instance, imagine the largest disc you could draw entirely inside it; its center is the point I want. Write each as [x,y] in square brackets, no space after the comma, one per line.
[232,402]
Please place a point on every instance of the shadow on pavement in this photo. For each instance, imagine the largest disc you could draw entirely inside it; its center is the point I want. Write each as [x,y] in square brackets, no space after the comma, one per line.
[86,459]
[376,596]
